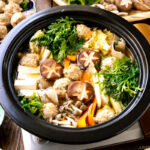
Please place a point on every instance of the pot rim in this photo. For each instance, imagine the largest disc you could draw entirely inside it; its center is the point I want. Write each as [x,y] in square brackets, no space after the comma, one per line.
[122,121]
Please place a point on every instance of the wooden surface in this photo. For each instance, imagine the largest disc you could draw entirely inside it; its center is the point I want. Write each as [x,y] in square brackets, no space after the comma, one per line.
[11,136]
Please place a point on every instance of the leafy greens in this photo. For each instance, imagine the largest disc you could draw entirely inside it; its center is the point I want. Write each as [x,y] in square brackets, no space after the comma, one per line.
[121,82]
[32,104]
[24,4]
[83,2]
[61,38]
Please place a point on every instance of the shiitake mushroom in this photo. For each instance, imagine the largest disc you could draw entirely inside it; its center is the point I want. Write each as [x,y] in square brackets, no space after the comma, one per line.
[80,91]
[143,5]
[124,5]
[51,70]
[87,57]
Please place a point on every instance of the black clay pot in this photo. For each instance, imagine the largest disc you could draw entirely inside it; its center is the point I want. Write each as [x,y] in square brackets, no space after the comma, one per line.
[15,41]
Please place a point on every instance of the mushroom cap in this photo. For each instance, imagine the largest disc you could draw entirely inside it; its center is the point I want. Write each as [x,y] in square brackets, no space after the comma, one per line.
[87,57]
[80,90]
[124,5]
[143,5]
[51,70]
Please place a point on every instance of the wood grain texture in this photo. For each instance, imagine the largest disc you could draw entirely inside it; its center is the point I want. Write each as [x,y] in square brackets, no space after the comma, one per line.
[10,135]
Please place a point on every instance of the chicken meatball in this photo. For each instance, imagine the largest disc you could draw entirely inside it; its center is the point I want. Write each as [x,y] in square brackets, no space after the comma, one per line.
[104,114]
[73,72]
[49,110]
[16,1]
[5,19]
[2,6]
[60,86]
[3,31]
[12,8]
[87,57]
[30,60]
[80,90]
[51,70]
[17,17]
[83,30]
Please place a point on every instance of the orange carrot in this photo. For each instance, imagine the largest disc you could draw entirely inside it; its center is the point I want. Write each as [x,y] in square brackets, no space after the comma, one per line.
[86,76]
[72,57]
[66,63]
[88,35]
[82,120]
[91,112]
[87,118]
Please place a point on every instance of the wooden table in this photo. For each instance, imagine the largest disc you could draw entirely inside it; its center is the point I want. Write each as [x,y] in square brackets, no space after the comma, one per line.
[11,136]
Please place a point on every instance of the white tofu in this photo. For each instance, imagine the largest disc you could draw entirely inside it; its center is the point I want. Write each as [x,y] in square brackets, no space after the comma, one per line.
[26,84]
[29,70]
[29,93]
[26,76]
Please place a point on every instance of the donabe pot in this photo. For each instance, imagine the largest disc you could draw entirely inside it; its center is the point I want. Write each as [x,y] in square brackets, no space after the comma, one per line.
[20,35]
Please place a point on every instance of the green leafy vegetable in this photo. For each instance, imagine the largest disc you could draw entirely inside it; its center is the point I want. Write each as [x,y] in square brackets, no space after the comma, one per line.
[83,2]
[61,38]
[24,4]
[121,82]
[33,104]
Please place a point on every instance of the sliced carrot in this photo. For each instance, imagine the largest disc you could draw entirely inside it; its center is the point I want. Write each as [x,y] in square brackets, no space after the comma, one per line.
[86,76]
[82,120]
[66,63]
[72,57]
[87,118]
[88,35]
[91,112]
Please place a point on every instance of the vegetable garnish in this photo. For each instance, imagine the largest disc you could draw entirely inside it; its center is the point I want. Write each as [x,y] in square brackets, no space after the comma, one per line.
[83,2]
[87,119]
[66,63]
[61,38]
[91,112]
[32,104]
[24,4]
[121,82]
[82,120]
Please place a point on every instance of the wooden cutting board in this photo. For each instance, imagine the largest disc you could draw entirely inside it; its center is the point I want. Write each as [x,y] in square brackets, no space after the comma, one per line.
[145,120]
[134,15]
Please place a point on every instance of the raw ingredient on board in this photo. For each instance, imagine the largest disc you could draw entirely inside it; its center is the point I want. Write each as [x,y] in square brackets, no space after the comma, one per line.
[124,5]
[119,7]
[2,6]
[12,8]
[83,2]
[73,75]
[16,18]
[143,5]
[11,13]
[3,31]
